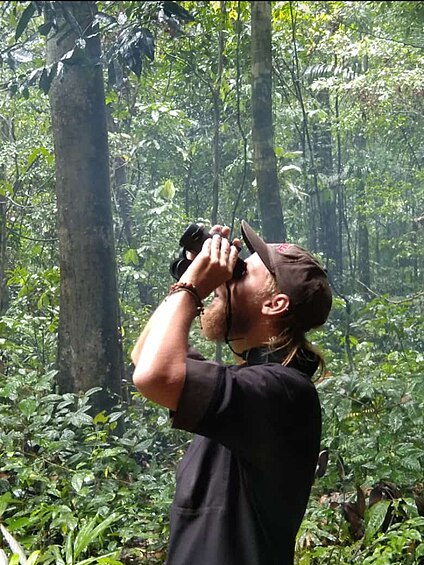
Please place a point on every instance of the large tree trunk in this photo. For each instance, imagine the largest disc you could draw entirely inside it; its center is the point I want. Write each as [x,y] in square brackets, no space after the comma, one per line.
[90,353]
[265,164]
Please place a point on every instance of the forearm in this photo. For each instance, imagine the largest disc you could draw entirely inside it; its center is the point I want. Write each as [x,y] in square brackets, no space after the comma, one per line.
[135,354]
[160,352]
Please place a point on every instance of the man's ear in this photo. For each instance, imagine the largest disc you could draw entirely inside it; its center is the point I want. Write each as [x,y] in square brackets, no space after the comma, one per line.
[276,305]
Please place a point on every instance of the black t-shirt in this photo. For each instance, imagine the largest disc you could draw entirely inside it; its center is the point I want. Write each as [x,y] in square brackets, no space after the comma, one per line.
[244,483]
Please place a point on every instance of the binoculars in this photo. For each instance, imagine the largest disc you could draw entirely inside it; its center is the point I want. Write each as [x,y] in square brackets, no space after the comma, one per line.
[192,240]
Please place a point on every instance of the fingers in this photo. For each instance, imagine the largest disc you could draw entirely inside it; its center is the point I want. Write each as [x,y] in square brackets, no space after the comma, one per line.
[224,231]
[223,254]
[216,247]
[215,229]
[213,266]
[233,255]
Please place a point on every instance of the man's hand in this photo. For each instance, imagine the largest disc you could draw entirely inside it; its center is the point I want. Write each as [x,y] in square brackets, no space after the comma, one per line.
[160,353]
[224,231]
[215,263]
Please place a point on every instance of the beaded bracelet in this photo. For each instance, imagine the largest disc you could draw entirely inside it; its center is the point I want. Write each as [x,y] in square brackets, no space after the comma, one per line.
[191,289]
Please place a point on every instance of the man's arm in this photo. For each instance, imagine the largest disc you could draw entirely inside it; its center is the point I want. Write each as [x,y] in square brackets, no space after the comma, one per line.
[135,353]
[161,351]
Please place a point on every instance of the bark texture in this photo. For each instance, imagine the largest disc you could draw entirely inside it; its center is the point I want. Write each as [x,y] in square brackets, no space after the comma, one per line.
[265,163]
[90,352]
[4,295]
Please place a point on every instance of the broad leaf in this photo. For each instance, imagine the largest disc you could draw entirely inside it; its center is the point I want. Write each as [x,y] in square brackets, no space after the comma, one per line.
[23,22]
[376,515]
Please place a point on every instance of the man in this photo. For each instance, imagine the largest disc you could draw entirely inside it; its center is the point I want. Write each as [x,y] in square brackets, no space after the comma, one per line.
[244,483]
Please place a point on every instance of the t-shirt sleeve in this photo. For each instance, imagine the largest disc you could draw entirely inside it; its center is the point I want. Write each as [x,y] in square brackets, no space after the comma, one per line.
[239,406]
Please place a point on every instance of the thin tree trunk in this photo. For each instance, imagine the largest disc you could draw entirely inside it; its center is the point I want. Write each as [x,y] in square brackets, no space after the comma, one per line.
[216,94]
[4,295]
[328,229]
[364,272]
[265,163]
[90,353]
[216,102]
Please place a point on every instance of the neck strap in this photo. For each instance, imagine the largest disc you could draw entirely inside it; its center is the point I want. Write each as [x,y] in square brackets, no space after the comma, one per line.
[229,320]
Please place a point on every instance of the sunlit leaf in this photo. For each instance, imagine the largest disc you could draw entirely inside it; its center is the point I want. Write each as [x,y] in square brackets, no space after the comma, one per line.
[168,190]
[13,544]
[21,55]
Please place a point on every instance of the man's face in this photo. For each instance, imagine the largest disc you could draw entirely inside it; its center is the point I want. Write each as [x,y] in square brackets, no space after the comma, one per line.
[247,295]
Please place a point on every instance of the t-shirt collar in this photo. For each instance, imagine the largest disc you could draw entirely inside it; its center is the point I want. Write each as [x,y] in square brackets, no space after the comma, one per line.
[305,361]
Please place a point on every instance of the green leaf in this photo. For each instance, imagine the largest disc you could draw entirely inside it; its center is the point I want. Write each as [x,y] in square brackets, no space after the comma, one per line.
[107,559]
[23,22]
[69,549]
[32,559]
[131,257]
[40,151]
[13,544]
[28,406]
[89,532]
[114,416]
[419,552]
[100,418]
[167,190]
[375,519]
[93,390]
[77,481]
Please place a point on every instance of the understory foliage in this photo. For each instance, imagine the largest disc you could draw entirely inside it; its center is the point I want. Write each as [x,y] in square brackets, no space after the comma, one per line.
[369,505]
[70,487]
[66,471]
[78,487]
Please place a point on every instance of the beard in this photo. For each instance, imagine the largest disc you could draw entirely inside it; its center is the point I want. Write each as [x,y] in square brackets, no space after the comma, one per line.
[214,321]
[215,324]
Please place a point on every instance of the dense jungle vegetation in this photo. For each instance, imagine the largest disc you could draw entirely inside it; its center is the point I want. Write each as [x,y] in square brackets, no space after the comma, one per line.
[136,122]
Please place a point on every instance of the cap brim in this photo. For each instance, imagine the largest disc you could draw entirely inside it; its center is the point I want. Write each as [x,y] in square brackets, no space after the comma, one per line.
[255,244]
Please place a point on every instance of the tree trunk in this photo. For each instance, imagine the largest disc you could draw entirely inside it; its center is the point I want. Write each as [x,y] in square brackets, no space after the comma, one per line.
[329,236]
[4,291]
[216,101]
[4,295]
[363,253]
[90,352]
[265,163]
[364,272]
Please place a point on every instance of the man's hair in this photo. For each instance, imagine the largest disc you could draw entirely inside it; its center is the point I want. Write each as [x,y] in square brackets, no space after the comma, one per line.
[291,338]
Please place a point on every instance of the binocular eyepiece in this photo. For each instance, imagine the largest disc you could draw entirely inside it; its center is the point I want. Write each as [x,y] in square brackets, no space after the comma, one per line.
[192,240]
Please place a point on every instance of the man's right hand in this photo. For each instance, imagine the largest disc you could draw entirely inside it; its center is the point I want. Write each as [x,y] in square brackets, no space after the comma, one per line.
[213,266]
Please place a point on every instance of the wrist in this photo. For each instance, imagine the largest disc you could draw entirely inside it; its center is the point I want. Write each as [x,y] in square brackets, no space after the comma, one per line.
[190,289]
